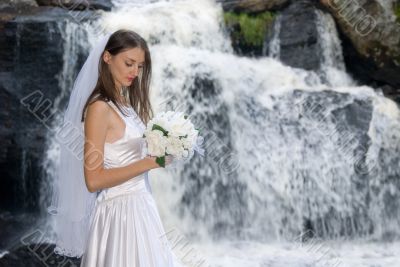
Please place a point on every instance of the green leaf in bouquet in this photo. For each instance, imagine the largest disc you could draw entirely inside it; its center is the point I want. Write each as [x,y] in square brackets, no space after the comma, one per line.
[185,116]
[161,161]
[158,127]
[183,136]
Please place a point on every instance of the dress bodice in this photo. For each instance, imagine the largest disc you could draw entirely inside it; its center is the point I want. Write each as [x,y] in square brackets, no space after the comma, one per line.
[124,151]
[130,147]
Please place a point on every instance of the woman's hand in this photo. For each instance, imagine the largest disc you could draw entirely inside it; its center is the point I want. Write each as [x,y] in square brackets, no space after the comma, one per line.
[152,164]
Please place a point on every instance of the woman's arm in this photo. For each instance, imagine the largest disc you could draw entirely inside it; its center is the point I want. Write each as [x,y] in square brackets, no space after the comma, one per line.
[97,122]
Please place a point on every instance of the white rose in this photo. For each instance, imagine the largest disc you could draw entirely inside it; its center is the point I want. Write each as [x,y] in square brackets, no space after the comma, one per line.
[174,146]
[177,130]
[181,127]
[159,121]
[186,142]
[155,143]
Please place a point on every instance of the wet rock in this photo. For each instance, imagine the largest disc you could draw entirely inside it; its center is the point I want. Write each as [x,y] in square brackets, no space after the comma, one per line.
[298,36]
[31,60]
[252,6]
[78,4]
[371,37]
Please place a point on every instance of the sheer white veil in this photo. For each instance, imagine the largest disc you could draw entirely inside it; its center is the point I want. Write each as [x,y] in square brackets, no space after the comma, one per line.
[71,202]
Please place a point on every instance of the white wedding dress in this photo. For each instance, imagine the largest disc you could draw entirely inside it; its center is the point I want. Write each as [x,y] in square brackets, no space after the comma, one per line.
[125,226]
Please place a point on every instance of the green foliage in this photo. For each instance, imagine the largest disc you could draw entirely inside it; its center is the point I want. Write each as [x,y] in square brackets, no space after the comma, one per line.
[158,127]
[397,12]
[252,27]
[161,161]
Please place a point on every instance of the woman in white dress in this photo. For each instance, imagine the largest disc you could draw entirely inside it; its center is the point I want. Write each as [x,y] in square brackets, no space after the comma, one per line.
[126,229]
[123,226]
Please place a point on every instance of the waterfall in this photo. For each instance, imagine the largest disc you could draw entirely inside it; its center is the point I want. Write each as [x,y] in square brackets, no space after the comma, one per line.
[287,150]
[333,68]
[75,47]
[274,47]
[283,125]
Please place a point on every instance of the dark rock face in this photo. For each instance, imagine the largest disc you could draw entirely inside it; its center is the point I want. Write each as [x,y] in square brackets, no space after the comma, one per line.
[372,40]
[21,155]
[37,255]
[298,36]
[78,4]
[252,6]
[31,59]
[21,5]
[14,226]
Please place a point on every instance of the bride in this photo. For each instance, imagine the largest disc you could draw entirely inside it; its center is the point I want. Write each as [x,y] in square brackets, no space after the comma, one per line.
[105,211]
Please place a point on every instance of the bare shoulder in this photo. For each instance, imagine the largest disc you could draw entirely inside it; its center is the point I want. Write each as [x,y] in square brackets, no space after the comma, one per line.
[98,111]
[99,105]
[98,108]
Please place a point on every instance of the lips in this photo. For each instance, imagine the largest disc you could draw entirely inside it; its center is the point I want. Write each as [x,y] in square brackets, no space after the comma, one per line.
[130,79]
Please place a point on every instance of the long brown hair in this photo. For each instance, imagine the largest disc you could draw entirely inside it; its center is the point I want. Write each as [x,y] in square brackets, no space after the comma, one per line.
[105,90]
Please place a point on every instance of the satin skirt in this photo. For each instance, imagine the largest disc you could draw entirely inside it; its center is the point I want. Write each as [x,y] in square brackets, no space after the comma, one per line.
[126,230]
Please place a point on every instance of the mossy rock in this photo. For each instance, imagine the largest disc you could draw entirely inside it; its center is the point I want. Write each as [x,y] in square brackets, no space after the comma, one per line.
[252,27]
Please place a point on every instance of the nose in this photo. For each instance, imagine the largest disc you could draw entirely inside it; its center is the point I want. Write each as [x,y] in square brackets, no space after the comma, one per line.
[135,71]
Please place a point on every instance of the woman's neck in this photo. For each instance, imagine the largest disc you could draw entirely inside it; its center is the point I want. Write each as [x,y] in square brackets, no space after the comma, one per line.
[122,96]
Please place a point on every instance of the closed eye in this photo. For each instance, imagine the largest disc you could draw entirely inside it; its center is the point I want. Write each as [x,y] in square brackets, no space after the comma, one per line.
[130,65]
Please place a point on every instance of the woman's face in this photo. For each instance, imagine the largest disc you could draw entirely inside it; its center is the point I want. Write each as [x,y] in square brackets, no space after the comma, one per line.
[125,66]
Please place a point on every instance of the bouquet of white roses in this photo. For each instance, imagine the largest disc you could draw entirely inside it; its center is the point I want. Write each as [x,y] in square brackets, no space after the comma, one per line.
[172,133]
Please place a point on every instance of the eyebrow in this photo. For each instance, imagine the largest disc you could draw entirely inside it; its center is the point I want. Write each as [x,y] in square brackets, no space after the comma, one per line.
[133,60]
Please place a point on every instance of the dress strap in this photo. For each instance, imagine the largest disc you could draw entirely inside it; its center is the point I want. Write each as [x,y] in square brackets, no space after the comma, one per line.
[116,109]
[130,113]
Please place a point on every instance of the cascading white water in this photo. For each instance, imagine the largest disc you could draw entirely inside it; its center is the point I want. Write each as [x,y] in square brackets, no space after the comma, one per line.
[332,68]
[274,47]
[289,133]
[75,43]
